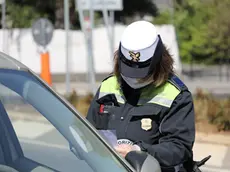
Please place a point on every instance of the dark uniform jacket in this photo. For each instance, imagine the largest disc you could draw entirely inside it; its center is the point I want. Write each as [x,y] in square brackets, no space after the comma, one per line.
[160,120]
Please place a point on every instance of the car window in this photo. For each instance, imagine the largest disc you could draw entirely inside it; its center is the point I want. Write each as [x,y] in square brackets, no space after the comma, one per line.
[39,139]
[47,129]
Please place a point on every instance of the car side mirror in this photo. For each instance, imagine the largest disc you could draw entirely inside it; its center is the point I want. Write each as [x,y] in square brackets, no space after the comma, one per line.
[143,162]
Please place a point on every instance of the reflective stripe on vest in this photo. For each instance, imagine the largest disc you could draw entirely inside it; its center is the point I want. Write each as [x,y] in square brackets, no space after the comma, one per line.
[111,86]
[119,98]
[164,95]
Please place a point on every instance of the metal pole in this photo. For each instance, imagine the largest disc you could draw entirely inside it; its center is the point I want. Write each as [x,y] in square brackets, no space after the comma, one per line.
[227,67]
[87,40]
[66,18]
[112,31]
[19,46]
[3,25]
[220,69]
[89,44]
[172,12]
[91,56]
[83,28]
[81,16]
[227,73]
[191,69]
[106,21]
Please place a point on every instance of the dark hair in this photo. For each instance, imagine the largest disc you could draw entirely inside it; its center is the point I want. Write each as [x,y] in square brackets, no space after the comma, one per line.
[159,75]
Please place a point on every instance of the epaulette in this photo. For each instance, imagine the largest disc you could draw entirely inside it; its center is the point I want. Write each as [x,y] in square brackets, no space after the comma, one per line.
[107,77]
[178,83]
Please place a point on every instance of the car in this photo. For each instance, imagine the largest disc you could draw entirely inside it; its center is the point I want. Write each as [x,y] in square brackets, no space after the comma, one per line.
[41,131]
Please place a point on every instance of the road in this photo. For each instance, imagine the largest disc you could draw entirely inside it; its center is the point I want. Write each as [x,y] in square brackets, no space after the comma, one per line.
[42,142]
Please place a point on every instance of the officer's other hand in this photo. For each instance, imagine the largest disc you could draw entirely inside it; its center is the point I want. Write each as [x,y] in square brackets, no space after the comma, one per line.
[124,149]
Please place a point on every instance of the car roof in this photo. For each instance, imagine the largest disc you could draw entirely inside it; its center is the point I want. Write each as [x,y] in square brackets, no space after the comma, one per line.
[8,62]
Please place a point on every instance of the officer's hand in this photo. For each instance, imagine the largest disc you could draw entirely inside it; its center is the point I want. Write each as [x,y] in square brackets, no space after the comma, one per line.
[124,149]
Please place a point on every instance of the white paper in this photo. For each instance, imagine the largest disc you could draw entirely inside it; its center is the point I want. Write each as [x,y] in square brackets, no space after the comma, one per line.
[110,136]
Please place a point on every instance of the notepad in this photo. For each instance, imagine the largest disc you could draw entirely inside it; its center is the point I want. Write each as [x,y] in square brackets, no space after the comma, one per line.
[110,136]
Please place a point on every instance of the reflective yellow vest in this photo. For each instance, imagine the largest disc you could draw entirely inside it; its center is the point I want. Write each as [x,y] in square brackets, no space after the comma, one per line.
[163,95]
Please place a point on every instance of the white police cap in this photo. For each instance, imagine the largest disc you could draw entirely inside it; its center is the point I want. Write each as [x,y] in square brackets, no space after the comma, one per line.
[140,49]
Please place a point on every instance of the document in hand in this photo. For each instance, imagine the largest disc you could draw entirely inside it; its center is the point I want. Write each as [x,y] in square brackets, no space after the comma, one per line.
[110,136]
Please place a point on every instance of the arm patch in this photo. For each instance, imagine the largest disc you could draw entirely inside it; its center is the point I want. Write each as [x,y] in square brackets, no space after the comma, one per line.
[178,83]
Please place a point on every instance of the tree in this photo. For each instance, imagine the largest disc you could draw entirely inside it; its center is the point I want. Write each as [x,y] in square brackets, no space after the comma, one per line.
[191,24]
[219,30]
[202,29]
[59,15]
[22,13]
[136,7]
[22,16]
[59,11]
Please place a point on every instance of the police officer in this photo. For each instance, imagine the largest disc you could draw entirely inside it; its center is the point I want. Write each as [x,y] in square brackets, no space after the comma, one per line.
[150,108]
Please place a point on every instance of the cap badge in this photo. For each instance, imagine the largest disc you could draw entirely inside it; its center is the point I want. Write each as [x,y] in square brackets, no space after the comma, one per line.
[135,56]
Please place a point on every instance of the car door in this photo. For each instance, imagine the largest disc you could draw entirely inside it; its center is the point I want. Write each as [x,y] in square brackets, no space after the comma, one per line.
[48,132]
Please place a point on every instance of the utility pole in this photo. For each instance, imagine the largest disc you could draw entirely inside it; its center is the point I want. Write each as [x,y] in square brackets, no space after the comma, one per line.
[91,54]
[87,25]
[66,18]
[112,19]
[91,6]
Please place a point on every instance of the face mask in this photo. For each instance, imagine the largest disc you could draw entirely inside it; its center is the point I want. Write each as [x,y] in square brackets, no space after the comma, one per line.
[134,83]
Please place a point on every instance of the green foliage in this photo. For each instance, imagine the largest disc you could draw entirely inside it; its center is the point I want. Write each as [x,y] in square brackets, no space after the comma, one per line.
[202,29]
[219,29]
[212,110]
[80,103]
[136,7]
[73,97]
[22,13]
[16,14]
[164,18]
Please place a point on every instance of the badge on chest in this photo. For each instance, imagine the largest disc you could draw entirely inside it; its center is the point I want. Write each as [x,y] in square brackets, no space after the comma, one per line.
[146,124]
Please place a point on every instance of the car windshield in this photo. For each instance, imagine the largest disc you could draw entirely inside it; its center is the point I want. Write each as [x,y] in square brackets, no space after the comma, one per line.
[83,142]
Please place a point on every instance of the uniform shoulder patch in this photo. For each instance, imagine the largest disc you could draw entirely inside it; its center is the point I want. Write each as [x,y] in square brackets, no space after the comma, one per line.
[177,82]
